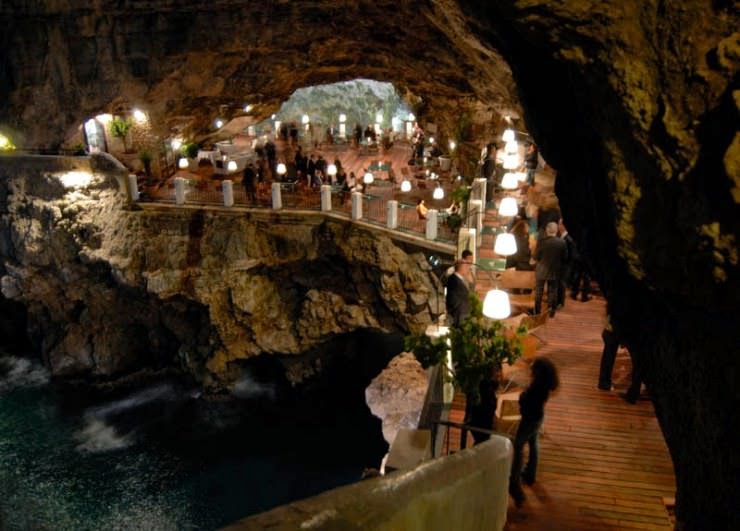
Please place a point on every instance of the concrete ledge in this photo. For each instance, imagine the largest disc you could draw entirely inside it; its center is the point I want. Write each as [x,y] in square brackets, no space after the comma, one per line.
[466,490]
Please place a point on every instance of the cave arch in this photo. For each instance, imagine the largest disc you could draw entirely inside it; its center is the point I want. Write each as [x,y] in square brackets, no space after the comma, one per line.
[633,102]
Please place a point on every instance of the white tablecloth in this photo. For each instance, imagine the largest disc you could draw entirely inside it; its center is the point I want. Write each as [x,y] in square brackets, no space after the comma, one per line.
[241,159]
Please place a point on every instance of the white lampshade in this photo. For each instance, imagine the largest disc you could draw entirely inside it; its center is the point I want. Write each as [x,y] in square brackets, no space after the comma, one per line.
[505,244]
[508,135]
[511,147]
[219,123]
[331,169]
[405,185]
[496,304]
[368,178]
[305,119]
[281,169]
[511,161]
[508,207]
[342,118]
[182,163]
[438,193]
[509,181]
[231,166]
[521,176]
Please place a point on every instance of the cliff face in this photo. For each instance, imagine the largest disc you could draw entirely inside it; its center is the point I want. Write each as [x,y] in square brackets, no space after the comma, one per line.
[109,290]
[634,102]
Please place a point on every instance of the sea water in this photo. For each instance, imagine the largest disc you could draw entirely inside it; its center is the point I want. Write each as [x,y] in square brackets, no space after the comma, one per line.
[144,461]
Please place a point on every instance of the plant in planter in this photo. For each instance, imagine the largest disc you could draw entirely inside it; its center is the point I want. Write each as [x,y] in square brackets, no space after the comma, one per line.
[190,151]
[479,347]
[119,128]
[146,159]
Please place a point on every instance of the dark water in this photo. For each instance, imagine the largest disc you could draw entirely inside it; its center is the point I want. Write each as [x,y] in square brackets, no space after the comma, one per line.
[162,457]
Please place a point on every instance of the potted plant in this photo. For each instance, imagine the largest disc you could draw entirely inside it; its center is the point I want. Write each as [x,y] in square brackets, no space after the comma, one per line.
[146,160]
[119,128]
[190,151]
[478,347]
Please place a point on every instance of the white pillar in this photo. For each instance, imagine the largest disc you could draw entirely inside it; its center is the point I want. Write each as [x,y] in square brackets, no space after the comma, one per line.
[431,224]
[227,187]
[356,205]
[343,130]
[392,211]
[277,198]
[179,191]
[325,197]
[133,187]
[476,210]
[481,183]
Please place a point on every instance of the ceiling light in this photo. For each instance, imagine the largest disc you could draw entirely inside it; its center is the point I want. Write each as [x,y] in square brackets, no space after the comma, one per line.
[438,193]
[405,185]
[509,181]
[281,169]
[331,169]
[496,304]
[368,178]
[231,166]
[508,207]
[505,244]
[182,163]
[508,135]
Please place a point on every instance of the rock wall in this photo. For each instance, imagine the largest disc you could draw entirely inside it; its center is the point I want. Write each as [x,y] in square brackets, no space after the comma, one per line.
[109,289]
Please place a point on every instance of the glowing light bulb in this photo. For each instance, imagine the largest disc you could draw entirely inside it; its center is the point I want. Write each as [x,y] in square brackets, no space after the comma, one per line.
[438,193]
[496,305]
[281,169]
[139,115]
[219,123]
[405,185]
[331,169]
[505,244]
[231,166]
[182,163]
[508,207]
[368,178]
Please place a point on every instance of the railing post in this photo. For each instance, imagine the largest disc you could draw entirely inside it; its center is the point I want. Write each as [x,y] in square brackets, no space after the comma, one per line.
[481,184]
[356,205]
[179,191]
[277,198]
[227,187]
[133,187]
[325,197]
[392,212]
[431,224]
[476,210]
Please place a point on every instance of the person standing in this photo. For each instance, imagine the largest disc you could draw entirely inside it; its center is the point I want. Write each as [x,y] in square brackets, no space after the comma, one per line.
[250,186]
[531,160]
[550,255]
[571,258]
[532,408]
[457,300]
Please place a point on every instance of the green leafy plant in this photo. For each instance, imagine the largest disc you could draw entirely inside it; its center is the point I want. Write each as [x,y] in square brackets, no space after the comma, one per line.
[191,150]
[461,195]
[479,347]
[79,150]
[119,128]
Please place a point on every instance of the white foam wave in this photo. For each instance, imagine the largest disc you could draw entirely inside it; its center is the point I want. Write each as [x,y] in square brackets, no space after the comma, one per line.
[248,387]
[97,436]
[21,372]
[158,392]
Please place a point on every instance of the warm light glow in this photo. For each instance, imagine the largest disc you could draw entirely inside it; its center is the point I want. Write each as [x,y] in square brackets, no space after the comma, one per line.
[231,166]
[511,161]
[277,127]
[439,193]
[509,181]
[342,118]
[508,135]
[511,147]
[405,185]
[104,118]
[182,163]
[496,304]
[508,207]
[378,129]
[453,145]
[411,117]
[368,178]
[176,144]
[378,117]
[431,140]
[505,244]
[219,123]
[139,116]
[459,178]
[521,176]
[248,107]
[76,179]
[331,170]
[305,119]
[281,169]
[4,142]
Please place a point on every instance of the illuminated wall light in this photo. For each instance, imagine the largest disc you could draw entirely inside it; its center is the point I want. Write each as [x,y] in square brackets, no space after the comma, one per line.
[272,117]
[219,123]
[331,170]
[405,185]
[505,244]
[509,181]
[176,144]
[438,193]
[104,118]
[453,145]
[342,118]
[496,305]
[508,207]
[248,107]
[76,179]
[183,163]
[305,119]
[281,169]
[231,166]
[508,135]
[139,116]
[6,144]
[431,140]
[368,178]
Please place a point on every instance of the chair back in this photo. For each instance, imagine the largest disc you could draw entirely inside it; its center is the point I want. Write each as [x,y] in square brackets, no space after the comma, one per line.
[513,279]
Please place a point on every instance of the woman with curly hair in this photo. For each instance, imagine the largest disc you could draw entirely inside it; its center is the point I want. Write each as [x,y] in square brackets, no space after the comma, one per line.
[532,407]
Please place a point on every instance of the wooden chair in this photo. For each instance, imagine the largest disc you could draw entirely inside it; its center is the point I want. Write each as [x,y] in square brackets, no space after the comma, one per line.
[520,285]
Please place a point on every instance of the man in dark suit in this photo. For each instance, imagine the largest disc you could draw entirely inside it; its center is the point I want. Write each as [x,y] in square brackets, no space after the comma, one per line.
[551,255]
[457,302]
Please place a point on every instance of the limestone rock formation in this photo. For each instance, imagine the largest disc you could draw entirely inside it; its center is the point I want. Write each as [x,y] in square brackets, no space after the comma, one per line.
[634,102]
[396,395]
[110,289]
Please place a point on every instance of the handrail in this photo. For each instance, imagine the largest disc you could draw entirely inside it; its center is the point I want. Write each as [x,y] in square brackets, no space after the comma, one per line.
[465,428]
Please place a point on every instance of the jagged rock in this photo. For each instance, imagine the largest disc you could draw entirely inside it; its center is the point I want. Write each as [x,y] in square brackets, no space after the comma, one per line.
[396,395]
